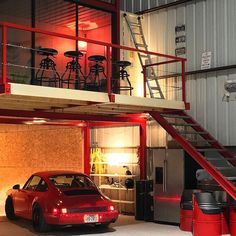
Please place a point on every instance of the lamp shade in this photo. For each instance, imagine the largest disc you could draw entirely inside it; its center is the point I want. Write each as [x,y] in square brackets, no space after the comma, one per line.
[82,46]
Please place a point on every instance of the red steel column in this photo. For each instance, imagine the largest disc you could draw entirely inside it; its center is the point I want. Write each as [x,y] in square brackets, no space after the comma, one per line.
[183,81]
[142,150]
[108,70]
[4,55]
[87,150]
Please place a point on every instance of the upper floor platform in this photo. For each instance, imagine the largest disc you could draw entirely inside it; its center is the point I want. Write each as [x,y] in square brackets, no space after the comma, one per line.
[63,73]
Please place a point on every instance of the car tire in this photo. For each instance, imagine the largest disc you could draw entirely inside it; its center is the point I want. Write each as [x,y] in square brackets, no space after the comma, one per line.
[9,209]
[38,221]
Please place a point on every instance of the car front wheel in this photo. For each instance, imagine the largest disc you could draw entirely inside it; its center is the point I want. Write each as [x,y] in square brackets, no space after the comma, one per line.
[9,209]
[39,223]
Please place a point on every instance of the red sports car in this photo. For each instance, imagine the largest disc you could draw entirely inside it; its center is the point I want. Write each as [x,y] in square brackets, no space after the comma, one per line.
[59,198]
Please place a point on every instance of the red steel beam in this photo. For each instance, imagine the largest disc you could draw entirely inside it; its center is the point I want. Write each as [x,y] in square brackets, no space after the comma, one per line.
[108,71]
[87,150]
[68,116]
[198,157]
[183,82]
[4,54]
[94,124]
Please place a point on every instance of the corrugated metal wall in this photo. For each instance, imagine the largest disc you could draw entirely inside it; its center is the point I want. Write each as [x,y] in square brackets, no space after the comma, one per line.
[139,5]
[210,26]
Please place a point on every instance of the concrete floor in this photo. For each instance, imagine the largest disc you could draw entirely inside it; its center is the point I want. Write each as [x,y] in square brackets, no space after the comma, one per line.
[126,225]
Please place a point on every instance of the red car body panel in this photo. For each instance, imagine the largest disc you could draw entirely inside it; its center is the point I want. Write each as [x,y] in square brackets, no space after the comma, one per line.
[76,206]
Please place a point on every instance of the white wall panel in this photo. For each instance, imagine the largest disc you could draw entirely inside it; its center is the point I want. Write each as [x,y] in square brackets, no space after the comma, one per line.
[210,26]
[116,136]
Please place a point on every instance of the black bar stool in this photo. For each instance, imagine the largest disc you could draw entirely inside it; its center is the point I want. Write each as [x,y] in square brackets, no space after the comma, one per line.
[96,79]
[73,70]
[123,75]
[47,72]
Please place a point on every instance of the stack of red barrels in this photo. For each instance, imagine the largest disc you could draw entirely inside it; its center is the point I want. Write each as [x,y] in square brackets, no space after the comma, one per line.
[207,213]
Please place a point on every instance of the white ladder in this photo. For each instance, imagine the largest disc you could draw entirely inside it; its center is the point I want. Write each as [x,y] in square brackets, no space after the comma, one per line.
[138,38]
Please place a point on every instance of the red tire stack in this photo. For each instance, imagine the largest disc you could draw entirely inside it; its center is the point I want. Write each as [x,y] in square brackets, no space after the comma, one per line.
[206,215]
[232,216]
[221,199]
[186,210]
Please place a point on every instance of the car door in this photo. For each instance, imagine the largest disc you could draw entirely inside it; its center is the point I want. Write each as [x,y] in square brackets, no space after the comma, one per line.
[25,196]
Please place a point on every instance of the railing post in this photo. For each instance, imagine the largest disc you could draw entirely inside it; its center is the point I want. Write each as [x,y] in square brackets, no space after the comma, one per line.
[144,81]
[4,55]
[108,70]
[183,81]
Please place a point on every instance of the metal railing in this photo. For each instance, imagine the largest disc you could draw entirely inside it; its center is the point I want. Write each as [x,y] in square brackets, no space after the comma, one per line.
[165,59]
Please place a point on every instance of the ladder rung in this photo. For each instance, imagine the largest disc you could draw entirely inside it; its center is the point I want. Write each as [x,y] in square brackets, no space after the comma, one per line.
[137,33]
[134,23]
[155,88]
[144,56]
[173,116]
[152,78]
[183,124]
[141,45]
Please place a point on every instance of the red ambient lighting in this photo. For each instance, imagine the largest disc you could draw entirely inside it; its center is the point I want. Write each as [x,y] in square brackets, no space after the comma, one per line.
[171,199]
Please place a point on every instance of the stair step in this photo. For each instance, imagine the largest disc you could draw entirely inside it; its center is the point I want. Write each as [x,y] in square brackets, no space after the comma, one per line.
[174,116]
[221,159]
[183,124]
[226,168]
[209,150]
[230,173]
[191,132]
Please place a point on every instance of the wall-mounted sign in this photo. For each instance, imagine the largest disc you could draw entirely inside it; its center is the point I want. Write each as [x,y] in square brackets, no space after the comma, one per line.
[206,60]
[180,39]
[180,51]
[179,28]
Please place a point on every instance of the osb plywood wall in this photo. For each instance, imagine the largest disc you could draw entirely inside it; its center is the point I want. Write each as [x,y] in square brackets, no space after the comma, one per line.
[28,149]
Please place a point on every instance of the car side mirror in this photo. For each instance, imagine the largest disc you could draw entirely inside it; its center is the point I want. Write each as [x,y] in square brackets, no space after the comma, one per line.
[17,186]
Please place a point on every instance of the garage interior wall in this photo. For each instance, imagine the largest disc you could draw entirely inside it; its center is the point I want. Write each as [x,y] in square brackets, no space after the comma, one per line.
[140,5]
[26,149]
[209,28]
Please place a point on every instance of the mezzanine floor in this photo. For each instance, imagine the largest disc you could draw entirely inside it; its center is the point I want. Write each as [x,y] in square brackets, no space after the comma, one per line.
[38,98]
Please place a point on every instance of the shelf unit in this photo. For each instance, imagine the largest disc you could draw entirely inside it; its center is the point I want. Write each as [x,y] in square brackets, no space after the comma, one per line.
[110,177]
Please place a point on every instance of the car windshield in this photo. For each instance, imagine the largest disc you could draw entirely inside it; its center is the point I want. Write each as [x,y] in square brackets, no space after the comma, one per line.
[72,181]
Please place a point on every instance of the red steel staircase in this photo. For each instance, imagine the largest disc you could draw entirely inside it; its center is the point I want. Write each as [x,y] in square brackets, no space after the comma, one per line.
[189,134]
